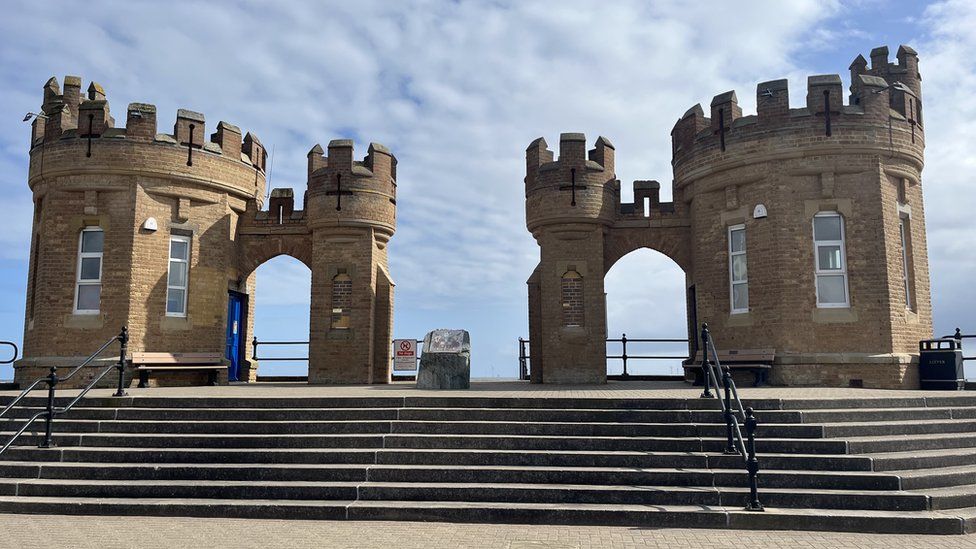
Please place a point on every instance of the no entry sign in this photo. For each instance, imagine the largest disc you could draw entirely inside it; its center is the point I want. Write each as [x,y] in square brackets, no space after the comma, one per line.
[404,355]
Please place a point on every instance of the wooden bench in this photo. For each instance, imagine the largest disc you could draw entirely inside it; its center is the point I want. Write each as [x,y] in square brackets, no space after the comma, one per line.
[212,363]
[758,361]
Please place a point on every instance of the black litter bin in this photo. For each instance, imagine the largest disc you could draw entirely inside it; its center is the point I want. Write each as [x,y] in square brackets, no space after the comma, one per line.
[940,365]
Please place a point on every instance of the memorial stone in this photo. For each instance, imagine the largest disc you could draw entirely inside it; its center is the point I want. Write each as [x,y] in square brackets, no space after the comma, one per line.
[446,360]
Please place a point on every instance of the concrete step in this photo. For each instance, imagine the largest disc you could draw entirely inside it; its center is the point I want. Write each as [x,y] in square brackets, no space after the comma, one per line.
[471,492]
[937,400]
[74,424]
[889,428]
[645,516]
[610,476]
[417,414]
[858,419]
[418,427]
[937,478]
[923,459]
[903,443]
[430,441]
[545,458]
[950,497]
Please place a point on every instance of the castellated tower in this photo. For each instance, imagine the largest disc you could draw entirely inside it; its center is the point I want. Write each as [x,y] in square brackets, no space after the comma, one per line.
[799,229]
[162,232]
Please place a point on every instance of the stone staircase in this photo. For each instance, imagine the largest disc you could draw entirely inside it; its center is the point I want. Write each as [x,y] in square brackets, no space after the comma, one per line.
[904,465]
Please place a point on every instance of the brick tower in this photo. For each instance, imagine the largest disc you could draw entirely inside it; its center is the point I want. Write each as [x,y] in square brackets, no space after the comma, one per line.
[162,232]
[799,229]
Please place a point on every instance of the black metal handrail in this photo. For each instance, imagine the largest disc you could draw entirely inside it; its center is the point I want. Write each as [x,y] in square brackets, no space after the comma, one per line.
[255,343]
[525,357]
[52,380]
[16,352]
[959,336]
[728,395]
[254,350]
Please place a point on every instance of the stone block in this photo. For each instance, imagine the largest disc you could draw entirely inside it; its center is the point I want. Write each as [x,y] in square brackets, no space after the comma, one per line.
[446,360]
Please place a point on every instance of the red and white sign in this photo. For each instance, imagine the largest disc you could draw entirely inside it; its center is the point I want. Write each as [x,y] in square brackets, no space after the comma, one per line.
[404,355]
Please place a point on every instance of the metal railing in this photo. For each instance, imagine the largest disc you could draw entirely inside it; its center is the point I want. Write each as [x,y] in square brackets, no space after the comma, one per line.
[732,410]
[525,356]
[16,352]
[959,336]
[255,342]
[52,381]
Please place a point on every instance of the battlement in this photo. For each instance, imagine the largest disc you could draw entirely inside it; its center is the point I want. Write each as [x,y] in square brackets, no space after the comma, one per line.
[325,171]
[572,155]
[281,210]
[879,94]
[379,161]
[69,114]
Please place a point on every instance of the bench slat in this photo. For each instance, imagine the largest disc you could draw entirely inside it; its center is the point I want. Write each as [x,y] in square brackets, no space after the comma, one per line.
[159,368]
[176,358]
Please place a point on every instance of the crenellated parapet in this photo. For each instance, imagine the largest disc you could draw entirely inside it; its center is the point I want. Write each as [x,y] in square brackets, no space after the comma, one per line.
[578,186]
[75,134]
[883,115]
[344,192]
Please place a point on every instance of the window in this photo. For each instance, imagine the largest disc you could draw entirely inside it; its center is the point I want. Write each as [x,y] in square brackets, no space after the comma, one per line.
[341,300]
[738,271]
[178,276]
[572,298]
[88,286]
[905,233]
[831,260]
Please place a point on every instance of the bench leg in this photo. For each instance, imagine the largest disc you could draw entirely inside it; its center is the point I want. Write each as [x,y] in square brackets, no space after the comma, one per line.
[143,378]
[760,375]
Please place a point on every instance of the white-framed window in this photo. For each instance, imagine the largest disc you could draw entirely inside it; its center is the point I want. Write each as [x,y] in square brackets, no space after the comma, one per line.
[178,275]
[904,230]
[738,271]
[88,283]
[831,260]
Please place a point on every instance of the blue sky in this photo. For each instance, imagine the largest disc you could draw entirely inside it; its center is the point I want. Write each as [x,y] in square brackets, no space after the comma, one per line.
[457,90]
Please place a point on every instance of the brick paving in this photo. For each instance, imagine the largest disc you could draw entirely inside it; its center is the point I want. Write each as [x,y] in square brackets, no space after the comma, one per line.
[46,531]
[509,389]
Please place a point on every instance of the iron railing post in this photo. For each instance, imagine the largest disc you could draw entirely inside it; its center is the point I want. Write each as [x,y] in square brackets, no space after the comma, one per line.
[522,372]
[623,355]
[752,464]
[707,393]
[729,435]
[123,345]
[52,381]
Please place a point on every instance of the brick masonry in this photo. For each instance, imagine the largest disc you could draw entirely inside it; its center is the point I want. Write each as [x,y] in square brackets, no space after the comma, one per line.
[868,169]
[84,172]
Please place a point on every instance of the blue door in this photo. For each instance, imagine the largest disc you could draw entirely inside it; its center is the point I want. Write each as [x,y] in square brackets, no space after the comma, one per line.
[235,318]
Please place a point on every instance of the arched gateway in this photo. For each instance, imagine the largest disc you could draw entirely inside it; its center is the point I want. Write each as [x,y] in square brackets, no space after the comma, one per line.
[163,232]
[799,230]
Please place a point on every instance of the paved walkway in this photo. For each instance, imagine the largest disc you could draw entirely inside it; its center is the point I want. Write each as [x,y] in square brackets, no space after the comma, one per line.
[47,532]
[511,389]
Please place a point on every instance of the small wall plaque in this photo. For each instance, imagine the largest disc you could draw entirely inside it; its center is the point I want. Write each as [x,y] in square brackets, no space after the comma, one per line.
[759,212]
[150,224]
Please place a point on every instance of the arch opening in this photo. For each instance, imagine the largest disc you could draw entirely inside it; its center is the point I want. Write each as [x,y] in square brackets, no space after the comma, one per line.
[280,294]
[647,298]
